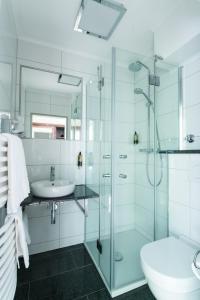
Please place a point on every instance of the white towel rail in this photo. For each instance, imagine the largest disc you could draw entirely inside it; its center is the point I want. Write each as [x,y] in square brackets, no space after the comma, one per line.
[3,171]
[8,264]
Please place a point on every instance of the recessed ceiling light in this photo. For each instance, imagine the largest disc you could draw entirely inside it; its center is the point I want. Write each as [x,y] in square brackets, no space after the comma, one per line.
[99,17]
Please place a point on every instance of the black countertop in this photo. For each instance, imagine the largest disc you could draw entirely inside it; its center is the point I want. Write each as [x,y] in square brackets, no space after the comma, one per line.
[80,192]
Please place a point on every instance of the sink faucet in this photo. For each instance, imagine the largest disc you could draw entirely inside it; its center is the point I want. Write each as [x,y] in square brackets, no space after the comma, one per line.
[52,173]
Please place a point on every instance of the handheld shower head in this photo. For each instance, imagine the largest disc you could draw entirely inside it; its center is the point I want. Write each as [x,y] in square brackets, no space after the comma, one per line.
[139,91]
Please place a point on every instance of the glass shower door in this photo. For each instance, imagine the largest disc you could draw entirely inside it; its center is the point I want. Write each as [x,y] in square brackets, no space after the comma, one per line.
[133,167]
[93,167]
[98,174]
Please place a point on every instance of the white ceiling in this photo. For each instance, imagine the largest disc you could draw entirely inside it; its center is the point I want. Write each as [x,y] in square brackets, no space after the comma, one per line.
[52,22]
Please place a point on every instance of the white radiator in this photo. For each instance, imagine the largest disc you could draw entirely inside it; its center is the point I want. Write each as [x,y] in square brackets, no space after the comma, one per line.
[8,264]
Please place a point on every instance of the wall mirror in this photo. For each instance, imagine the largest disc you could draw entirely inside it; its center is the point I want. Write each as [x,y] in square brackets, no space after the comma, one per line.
[50,104]
[6,96]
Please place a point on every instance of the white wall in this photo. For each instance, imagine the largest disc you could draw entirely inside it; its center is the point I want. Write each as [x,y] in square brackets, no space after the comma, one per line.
[184,170]
[191,102]
[41,154]
[8,51]
[184,191]
[176,33]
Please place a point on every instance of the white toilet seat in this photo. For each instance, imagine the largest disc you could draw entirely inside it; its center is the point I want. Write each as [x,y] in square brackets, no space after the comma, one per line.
[167,263]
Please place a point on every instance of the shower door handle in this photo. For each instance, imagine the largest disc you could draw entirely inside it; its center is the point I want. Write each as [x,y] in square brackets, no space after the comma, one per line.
[106,156]
[106,175]
[123,176]
[123,156]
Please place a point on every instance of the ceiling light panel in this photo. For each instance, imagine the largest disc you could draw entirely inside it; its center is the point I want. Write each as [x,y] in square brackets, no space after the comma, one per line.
[69,79]
[99,17]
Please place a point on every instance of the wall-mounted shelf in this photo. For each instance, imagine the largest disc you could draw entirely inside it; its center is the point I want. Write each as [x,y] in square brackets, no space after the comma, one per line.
[179,152]
[80,192]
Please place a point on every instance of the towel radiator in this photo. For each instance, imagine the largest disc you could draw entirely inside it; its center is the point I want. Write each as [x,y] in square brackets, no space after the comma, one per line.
[8,264]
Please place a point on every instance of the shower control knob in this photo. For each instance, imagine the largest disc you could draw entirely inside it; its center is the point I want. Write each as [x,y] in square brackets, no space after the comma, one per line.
[190,138]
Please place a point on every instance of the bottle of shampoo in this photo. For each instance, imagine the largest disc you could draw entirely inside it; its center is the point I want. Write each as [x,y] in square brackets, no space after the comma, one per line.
[135,138]
[80,160]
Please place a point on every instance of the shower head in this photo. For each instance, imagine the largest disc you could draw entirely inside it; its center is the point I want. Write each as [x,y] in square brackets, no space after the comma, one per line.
[139,91]
[137,66]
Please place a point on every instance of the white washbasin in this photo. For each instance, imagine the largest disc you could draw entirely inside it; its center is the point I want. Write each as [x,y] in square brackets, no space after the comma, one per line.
[52,189]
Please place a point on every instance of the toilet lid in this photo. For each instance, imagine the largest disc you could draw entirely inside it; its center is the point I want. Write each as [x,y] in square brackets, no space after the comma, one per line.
[170,260]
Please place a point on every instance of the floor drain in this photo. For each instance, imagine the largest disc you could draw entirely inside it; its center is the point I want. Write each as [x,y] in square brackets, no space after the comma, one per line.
[118,256]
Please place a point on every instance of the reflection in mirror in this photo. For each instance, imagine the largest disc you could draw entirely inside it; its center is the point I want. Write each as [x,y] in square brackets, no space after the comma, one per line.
[51,104]
[5,96]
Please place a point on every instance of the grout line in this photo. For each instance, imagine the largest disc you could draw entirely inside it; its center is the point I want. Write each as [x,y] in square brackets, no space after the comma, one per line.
[102,289]
[29,289]
[61,273]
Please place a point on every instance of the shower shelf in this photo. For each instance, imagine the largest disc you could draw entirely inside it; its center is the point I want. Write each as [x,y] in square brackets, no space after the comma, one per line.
[179,151]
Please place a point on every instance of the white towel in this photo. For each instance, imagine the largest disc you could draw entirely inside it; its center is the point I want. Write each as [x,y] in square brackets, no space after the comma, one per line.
[18,184]
[18,190]
[26,227]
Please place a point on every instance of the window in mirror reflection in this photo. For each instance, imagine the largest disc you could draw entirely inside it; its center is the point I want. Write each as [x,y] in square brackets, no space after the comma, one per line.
[49,127]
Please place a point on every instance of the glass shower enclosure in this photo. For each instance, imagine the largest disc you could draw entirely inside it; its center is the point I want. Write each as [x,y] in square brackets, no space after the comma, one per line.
[131,119]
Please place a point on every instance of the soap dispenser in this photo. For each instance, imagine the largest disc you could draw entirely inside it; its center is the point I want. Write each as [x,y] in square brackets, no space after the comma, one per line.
[80,160]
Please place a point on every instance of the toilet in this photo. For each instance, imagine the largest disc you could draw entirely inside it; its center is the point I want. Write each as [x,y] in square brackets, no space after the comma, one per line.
[167,265]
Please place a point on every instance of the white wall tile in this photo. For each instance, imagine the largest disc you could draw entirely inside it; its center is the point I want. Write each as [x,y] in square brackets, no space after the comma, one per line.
[179,186]
[41,230]
[144,221]
[195,225]
[184,190]
[124,194]
[180,162]
[71,224]
[124,91]
[69,151]
[72,173]
[195,192]
[124,112]
[41,152]
[124,216]
[179,219]
[167,100]
[191,90]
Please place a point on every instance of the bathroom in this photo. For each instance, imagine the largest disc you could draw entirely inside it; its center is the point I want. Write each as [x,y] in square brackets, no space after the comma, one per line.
[106,116]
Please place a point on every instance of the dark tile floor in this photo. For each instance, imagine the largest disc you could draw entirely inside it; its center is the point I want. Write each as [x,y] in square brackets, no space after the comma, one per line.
[67,274]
